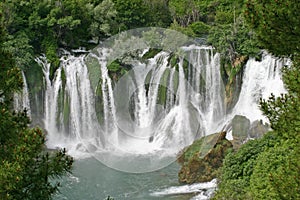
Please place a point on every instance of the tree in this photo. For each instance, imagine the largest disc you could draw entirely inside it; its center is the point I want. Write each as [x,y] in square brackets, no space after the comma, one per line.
[103,15]
[276,23]
[159,13]
[230,34]
[184,12]
[26,168]
[131,14]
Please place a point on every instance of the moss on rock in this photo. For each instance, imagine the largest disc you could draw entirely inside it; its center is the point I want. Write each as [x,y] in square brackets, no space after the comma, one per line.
[202,160]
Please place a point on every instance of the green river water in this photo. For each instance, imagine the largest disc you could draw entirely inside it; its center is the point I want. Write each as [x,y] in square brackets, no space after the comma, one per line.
[91,180]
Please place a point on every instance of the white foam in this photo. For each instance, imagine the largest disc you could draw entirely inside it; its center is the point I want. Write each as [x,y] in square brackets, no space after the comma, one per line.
[186,189]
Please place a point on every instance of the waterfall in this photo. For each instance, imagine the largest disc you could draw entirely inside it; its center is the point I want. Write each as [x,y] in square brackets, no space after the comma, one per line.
[21,100]
[51,100]
[207,94]
[69,115]
[157,106]
[261,78]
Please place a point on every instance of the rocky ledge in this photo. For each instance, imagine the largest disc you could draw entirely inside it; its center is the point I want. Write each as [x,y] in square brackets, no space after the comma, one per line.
[201,161]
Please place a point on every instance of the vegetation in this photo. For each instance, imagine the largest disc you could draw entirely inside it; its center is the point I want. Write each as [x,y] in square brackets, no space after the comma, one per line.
[36,27]
[269,168]
[276,24]
[27,171]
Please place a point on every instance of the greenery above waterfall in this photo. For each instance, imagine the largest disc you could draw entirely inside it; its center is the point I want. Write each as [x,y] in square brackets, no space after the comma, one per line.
[36,27]
[27,170]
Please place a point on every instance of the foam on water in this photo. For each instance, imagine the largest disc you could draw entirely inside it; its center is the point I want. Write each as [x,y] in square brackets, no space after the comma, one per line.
[204,190]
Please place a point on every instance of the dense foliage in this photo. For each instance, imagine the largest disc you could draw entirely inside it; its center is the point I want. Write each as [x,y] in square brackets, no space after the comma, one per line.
[36,27]
[26,169]
[276,24]
[269,168]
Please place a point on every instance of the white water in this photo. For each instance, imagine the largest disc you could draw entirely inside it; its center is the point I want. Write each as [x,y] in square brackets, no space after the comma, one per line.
[78,100]
[259,81]
[21,100]
[194,102]
[51,99]
[185,189]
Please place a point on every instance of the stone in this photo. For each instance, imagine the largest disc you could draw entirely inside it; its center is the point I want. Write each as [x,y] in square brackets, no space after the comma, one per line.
[258,129]
[240,126]
[201,161]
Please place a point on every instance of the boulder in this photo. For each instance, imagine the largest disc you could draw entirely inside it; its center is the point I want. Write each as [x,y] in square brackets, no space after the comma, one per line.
[201,160]
[240,127]
[258,129]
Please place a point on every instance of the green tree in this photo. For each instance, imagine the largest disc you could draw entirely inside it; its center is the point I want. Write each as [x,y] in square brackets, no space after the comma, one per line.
[103,16]
[159,13]
[184,12]
[27,170]
[230,34]
[131,14]
[276,24]
[276,174]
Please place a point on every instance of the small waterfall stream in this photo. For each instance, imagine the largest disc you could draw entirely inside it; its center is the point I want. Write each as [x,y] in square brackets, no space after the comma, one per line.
[21,100]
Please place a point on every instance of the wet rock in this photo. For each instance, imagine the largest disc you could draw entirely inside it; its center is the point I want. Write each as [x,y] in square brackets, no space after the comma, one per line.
[240,127]
[258,129]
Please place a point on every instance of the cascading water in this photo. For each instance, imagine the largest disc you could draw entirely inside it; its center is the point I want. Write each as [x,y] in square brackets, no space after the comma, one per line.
[261,78]
[138,121]
[207,87]
[21,100]
[51,100]
[69,116]
[155,108]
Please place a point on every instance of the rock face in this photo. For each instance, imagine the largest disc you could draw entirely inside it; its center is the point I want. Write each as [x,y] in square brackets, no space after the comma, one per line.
[240,127]
[243,130]
[201,160]
[258,129]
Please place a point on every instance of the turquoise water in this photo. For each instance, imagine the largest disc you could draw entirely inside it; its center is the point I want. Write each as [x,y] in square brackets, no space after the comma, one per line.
[92,180]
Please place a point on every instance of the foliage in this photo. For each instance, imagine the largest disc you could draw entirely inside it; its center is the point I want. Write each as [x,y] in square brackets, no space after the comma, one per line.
[273,172]
[20,48]
[276,174]
[184,11]
[131,14]
[276,23]
[45,26]
[195,29]
[11,78]
[103,15]
[26,169]
[159,15]
[231,36]
[238,168]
